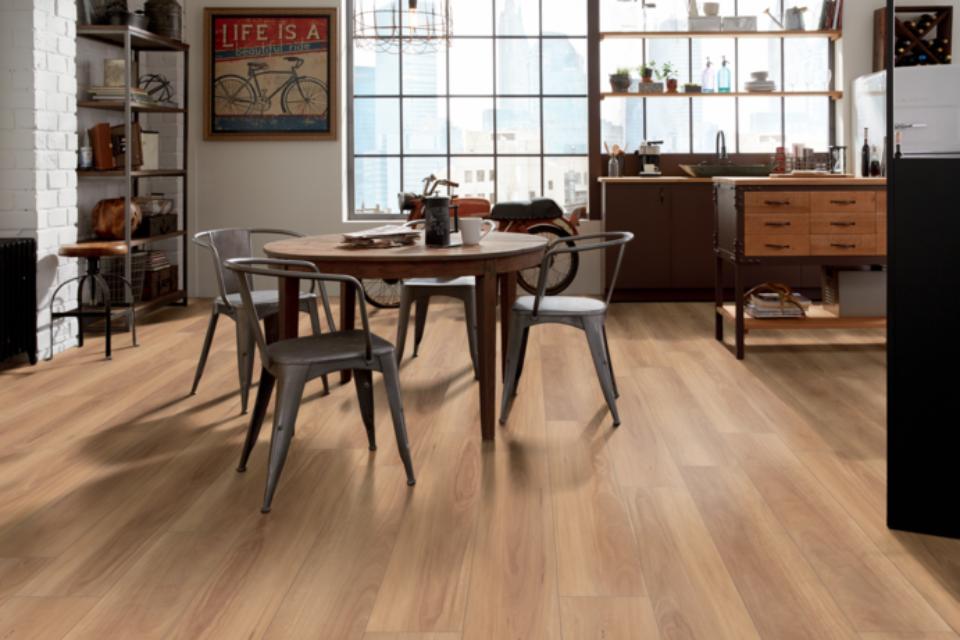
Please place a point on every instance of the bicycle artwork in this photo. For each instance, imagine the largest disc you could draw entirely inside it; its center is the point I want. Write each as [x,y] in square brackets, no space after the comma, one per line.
[271,73]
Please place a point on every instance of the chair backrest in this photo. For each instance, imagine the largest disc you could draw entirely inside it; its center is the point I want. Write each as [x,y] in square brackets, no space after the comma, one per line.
[244,268]
[579,244]
[230,243]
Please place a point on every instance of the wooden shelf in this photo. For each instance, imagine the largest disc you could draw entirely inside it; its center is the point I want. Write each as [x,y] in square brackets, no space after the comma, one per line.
[832,34]
[140,39]
[835,95]
[139,242]
[119,105]
[119,173]
[817,318]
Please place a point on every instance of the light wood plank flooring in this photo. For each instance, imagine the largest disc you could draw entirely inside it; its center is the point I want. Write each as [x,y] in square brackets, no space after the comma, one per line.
[738,500]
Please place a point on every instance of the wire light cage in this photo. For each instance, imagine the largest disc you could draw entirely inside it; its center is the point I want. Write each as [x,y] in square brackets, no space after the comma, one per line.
[413,26]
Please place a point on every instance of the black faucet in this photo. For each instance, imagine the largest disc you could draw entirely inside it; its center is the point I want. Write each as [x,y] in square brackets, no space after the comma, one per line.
[722,146]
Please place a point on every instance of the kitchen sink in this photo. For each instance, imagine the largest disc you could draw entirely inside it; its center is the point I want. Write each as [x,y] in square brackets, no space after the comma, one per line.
[713,170]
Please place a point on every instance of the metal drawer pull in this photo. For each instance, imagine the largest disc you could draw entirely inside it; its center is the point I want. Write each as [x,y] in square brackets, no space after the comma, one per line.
[842,245]
[843,202]
[777,246]
[843,224]
[777,224]
[776,203]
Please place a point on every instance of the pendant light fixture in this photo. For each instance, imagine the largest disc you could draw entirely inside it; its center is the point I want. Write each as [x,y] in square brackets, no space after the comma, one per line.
[413,26]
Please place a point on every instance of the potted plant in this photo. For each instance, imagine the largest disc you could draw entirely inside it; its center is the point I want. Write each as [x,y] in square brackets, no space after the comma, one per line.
[620,81]
[668,73]
[646,71]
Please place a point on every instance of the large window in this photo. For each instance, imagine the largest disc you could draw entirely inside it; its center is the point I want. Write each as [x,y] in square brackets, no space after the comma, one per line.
[502,109]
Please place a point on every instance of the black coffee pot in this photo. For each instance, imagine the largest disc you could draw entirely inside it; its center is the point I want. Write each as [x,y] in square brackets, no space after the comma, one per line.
[436,215]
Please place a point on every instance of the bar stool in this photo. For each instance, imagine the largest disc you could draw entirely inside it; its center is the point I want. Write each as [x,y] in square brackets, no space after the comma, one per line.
[92,252]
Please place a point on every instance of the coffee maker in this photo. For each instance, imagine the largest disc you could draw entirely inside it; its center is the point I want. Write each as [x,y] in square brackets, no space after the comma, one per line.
[648,155]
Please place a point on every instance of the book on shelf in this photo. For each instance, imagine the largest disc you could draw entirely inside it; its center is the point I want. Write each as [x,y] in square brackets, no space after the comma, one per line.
[765,304]
[112,94]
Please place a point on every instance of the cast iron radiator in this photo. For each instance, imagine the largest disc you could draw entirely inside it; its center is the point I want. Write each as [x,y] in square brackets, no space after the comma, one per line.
[18,298]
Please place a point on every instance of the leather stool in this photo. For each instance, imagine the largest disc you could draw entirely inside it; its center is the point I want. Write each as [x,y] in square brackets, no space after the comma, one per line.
[92,252]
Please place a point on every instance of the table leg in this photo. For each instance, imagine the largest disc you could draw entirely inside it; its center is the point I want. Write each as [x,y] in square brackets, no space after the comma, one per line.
[487,347]
[738,292]
[718,297]
[289,308]
[348,316]
[508,295]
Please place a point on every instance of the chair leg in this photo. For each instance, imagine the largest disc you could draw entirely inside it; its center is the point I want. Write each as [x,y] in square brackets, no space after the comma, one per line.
[83,280]
[403,321]
[470,309]
[289,394]
[131,312]
[593,326]
[363,380]
[108,329]
[613,377]
[391,380]
[245,347]
[517,331]
[522,359]
[315,325]
[420,322]
[264,391]
[207,342]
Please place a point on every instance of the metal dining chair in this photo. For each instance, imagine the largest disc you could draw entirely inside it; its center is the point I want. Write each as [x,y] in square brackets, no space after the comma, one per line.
[419,291]
[586,314]
[291,363]
[226,244]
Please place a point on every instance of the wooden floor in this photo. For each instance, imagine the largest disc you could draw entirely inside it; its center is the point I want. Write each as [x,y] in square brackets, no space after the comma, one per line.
[738,500]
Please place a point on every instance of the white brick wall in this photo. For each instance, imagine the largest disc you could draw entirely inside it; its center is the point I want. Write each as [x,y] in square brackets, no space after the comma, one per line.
[38,142]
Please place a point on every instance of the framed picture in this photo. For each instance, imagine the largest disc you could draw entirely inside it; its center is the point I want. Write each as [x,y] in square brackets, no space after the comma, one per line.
[270,74]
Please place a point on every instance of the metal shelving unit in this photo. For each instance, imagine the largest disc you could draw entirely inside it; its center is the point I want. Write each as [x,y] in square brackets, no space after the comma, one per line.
[135,42]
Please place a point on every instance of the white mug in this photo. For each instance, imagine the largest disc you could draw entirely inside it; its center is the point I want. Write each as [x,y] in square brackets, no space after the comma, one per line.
[470,229]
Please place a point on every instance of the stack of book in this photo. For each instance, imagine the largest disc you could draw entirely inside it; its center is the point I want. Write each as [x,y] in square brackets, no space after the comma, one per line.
[380,237]
[156,260]
[771,305]
[112,94]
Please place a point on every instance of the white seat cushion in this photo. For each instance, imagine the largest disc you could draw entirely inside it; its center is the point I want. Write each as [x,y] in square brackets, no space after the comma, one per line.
[560,306]
[462,281]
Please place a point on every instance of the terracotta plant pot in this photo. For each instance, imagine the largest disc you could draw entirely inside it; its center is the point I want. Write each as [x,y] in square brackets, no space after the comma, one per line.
[671,85]
[619,83]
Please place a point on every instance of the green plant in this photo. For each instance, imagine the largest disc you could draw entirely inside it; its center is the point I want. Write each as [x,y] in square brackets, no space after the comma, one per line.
[647,68]
[667,72]
[622,71]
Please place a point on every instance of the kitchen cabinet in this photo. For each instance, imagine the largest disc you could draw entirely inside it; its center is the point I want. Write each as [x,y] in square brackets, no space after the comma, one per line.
[671,257]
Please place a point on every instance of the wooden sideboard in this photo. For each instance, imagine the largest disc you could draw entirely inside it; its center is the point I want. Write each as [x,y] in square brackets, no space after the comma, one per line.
[785,221]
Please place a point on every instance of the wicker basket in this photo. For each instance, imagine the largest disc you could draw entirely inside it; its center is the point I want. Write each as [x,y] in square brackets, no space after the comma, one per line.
[112,269]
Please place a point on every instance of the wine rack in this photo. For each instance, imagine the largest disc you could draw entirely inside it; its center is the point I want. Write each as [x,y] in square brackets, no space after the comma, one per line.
[922,36]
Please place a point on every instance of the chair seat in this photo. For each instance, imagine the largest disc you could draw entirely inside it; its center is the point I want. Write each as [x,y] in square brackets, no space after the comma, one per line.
[341,345]
[462,281]
[98,249]
[264,298]
[560,306]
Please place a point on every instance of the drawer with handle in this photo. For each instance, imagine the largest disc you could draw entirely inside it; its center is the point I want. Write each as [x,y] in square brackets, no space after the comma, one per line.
[843,245]
[776,223]
[843,223]
[843,201]
[776,201]
[776,245]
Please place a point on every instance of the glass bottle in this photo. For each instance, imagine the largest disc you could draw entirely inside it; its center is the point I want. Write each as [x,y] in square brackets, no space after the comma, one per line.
[708,79]
[724,77]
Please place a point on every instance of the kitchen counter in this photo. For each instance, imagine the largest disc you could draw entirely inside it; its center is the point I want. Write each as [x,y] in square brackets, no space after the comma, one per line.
[802,182]
[653,180]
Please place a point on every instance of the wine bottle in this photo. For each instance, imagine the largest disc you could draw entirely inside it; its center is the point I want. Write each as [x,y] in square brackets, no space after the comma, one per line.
[865,155]
[874,162]
[898,154]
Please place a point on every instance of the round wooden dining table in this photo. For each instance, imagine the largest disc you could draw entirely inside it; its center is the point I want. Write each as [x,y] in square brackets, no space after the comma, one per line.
[494,262]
